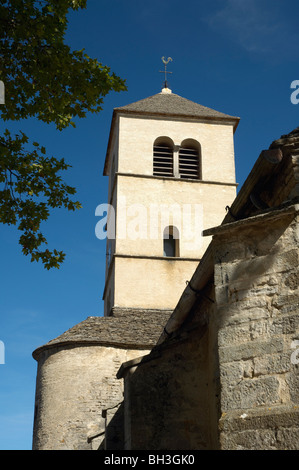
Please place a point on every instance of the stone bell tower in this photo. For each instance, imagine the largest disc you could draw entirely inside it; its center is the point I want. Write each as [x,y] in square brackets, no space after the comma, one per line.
[171,171]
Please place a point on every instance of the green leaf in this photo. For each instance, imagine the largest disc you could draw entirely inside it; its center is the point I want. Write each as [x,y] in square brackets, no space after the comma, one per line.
[48,81]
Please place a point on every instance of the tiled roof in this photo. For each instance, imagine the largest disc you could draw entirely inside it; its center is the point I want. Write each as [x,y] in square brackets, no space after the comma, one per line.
[137,329]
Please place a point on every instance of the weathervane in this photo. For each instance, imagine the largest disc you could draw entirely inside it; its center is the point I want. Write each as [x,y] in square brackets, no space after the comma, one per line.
[165,71]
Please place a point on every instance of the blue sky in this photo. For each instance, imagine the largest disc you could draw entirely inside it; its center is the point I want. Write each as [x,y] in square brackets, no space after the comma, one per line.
[236,56]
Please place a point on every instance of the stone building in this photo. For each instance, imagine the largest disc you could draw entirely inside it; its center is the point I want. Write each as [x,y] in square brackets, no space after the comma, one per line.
[77,392]
[205,365]
[224,373]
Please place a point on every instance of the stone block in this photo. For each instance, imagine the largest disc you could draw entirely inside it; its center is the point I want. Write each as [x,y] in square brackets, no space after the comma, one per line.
[285,261]
[242,312]
[252,329]
[232,373]
[292,382]
[264,428]
[250,393]
[233,335]
[271,364]
[286,302]
[249,440]
[250,350]
[292,280]
[288,438]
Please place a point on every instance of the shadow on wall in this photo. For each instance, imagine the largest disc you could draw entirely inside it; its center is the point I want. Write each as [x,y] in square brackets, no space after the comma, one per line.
[114,429]
[169,395]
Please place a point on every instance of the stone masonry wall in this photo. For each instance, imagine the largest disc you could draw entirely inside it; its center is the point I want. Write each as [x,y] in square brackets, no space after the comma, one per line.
[257,295]
[170,396]
[74,385]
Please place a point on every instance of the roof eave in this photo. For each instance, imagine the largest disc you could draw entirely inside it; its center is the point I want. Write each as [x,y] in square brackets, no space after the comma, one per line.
[73,343]
[234,120]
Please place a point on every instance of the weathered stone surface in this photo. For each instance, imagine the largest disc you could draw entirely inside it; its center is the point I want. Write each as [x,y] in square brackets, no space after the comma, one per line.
[76,379]
[74,386]
[266,428]
[254,329]
[227,382]
[250,393]
[251,329]
[250,349]
[292,381]
[258,319]
[172,397]
[271,364]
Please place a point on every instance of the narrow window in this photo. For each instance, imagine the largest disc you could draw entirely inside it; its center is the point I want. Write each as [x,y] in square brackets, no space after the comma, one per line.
[189,160]
[171,242]
[163,158]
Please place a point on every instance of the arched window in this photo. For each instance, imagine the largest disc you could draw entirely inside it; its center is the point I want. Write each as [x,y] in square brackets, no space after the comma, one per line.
[163,157]
[171,242]
[189,159]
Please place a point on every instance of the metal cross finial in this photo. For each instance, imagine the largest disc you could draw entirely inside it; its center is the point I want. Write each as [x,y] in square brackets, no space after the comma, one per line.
[165,71]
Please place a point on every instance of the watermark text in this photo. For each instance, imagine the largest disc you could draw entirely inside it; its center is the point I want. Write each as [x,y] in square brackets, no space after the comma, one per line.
[295,94]
[149,222]
[2,353]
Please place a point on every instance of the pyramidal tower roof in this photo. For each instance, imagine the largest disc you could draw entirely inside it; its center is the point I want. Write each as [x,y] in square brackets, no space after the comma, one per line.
[169,105]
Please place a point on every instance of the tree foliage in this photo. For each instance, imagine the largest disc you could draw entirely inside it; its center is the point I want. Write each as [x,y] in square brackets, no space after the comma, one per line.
[46,80]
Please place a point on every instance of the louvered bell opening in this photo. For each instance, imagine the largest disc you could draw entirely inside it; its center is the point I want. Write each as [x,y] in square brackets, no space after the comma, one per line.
[163,161]
[188,163]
